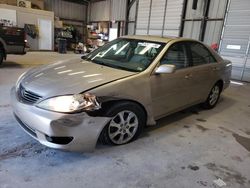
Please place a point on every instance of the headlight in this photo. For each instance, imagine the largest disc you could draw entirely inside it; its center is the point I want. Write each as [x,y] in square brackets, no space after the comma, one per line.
[71,103]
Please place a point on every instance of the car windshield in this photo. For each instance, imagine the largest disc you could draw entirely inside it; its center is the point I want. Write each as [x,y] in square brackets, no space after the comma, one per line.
[127,54]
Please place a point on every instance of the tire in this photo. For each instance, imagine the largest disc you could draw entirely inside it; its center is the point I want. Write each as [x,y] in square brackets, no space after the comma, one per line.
[1,57]
[213,97]
[122,131]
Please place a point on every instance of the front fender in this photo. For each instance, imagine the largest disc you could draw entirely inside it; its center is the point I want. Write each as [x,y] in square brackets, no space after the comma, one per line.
[134,88]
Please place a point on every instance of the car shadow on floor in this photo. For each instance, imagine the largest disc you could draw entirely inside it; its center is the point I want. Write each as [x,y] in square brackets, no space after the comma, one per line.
[11,64]
[174,123]
[197,110]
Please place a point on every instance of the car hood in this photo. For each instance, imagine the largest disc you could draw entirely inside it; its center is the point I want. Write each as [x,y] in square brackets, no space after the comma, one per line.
[70,77]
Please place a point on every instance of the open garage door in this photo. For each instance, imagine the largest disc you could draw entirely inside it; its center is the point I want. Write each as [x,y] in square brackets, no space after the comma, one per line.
[45,34]
[203,20]
[161,17]
[235,38]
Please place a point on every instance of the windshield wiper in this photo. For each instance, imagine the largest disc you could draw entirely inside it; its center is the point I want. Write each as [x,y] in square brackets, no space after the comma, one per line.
[119,67]
[113,66]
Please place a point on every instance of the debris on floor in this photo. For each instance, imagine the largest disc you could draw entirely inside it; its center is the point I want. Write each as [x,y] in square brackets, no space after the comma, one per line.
[203,129]
[228,174]
[202,183]
[219,182]
[201,120]
[193,167]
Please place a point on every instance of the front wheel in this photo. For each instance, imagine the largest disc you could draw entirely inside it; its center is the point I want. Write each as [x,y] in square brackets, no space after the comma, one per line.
[213,97]
[1,57]
[126,124]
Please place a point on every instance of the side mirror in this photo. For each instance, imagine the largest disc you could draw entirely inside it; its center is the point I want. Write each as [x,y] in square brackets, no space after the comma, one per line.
[165,69]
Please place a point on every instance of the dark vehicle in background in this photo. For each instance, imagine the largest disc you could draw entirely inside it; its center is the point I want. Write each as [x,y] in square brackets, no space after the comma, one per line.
[12,41]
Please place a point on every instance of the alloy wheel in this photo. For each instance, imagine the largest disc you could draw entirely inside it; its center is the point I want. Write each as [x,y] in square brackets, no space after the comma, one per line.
[123,127]
[214,95]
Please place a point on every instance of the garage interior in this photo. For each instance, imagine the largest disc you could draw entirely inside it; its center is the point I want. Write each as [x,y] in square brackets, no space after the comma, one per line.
[191,148]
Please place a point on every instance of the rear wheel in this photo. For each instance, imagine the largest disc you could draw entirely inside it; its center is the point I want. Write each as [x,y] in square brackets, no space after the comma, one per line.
[126,124]
[213,97]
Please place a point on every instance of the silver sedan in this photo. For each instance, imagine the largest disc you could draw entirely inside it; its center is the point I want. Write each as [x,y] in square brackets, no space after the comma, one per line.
[116,90]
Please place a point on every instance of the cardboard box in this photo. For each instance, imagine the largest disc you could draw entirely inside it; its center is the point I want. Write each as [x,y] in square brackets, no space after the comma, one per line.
[8,2]
[24,3]
[39,4]
[58,24]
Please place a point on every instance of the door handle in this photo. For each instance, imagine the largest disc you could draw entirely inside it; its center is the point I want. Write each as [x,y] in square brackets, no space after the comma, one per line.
[216,68]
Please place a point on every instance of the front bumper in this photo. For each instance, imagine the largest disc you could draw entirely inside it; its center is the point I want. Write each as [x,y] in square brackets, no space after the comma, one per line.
[73,132]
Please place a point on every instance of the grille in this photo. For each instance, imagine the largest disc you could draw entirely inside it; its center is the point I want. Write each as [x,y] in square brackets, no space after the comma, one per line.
[27,96]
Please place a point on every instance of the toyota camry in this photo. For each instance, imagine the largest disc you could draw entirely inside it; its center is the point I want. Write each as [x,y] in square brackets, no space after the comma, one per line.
[115,91]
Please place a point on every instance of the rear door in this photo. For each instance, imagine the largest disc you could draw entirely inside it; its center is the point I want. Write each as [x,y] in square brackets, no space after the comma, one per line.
[205,71]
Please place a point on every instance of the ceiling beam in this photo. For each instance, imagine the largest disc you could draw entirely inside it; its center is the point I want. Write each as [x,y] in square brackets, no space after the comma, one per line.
[81,2]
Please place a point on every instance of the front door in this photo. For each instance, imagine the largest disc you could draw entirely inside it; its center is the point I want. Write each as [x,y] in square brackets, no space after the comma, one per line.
[171,92]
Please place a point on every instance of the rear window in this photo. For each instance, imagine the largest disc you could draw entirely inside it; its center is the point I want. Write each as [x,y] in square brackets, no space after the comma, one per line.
[200,54]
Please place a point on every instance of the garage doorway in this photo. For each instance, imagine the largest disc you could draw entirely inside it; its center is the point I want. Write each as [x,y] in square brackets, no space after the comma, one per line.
[203,20]
[235,40]
[45,34]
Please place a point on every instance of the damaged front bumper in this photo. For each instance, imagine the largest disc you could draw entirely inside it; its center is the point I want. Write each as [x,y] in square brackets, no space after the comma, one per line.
[73,132]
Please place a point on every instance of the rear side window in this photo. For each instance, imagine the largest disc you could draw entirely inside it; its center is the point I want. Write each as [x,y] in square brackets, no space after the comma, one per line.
[176,55]
[200,54]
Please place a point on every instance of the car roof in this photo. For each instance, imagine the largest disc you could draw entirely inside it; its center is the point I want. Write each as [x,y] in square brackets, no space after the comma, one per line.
[164,39]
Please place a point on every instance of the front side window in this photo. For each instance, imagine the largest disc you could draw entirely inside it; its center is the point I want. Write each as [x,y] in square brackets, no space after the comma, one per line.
[176,55]
[127,54]
[200,55]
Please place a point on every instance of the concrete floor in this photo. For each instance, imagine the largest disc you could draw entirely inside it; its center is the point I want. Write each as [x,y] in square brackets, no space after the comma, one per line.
[189,149]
